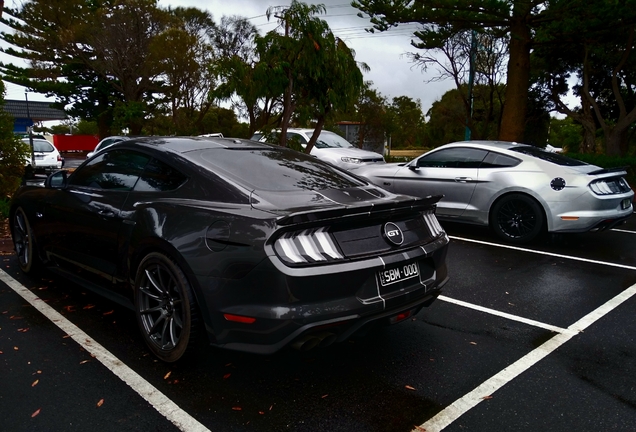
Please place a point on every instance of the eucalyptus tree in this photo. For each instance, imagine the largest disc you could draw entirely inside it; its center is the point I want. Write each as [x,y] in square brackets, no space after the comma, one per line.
[440,20]
[594,44]
[317,71]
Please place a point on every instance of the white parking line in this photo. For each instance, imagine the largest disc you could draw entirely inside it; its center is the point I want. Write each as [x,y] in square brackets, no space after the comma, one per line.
[623,231]
[504,315]
[482,392]
[158,400]
[574,258]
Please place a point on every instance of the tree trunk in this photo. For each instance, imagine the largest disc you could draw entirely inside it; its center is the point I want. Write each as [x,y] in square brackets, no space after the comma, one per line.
[513,119]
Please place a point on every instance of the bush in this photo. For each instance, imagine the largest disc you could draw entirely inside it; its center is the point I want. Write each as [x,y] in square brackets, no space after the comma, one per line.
[4,208]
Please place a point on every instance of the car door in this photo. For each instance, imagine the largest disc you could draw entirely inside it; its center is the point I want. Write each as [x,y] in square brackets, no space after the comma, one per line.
[452,172]
[88,211]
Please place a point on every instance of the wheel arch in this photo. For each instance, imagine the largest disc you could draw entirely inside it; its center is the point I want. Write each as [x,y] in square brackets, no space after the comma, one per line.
[543,205]
[156,244]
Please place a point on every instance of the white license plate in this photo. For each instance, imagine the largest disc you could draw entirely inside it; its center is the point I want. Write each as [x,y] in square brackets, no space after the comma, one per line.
[398,274]
[39,157]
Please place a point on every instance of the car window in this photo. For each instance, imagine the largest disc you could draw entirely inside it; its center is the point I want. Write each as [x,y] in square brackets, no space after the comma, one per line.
[555,158]
[159,177]
[498,160]
[111,170]
[293,136]
[41,146]
[456,157]
[257,136]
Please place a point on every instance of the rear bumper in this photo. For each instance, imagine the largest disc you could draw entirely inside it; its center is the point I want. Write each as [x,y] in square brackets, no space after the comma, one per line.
[337,301]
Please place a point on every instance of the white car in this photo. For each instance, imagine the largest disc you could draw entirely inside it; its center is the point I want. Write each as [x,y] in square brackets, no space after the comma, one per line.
[106,142]
[330,147]
[46,156]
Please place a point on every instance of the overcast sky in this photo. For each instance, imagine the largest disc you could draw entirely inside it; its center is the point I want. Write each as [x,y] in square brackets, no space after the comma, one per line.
[391,71]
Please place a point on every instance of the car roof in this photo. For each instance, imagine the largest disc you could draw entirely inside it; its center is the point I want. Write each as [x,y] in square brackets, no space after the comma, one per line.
[493,145]
[187,144]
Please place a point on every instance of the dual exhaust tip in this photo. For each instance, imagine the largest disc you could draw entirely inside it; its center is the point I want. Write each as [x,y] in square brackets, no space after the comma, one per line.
[314,340]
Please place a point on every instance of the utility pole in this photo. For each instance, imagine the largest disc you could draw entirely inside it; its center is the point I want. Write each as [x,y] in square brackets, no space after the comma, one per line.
[471,80]
[30,131]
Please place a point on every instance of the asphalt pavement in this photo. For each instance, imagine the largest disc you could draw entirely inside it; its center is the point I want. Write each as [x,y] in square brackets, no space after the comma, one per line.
[533,338]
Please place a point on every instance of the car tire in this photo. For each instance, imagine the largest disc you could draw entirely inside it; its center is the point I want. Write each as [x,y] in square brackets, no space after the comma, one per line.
[24,243]
[517,218]
[165,308]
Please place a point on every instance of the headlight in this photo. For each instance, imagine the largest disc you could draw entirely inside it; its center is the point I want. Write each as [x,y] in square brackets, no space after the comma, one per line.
[351,160]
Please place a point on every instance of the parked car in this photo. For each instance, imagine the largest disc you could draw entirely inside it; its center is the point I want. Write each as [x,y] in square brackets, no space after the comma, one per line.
[255,245]
[518,190]
[106,142]
[329,147]
[46,157]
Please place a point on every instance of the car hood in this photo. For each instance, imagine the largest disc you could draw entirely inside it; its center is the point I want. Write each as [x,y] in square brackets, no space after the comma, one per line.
[345,152]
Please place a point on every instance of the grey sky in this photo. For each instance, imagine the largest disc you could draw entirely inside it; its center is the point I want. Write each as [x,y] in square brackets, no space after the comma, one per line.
[391,71]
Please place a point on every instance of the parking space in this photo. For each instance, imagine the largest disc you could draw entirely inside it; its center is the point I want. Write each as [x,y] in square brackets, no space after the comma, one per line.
[532,338]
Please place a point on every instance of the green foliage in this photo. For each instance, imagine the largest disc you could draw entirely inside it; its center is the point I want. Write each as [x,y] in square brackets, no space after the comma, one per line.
[5,204]
[13,153]
[565,133]
[407,123]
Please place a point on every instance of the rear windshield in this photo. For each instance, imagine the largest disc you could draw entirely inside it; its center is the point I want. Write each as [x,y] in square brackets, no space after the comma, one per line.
[276,169]
[41,146]
[555,158]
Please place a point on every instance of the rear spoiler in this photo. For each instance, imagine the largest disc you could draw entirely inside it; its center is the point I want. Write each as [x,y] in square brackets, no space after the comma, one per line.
[617,170]
[363,211]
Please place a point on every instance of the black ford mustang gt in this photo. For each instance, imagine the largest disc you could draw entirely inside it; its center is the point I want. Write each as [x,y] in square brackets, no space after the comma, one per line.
[255,245]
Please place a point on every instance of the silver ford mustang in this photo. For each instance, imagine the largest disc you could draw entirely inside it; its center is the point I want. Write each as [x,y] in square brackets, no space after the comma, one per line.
[516,189]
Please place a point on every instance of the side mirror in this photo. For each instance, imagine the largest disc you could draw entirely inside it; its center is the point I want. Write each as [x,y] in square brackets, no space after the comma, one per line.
[414,167]
[57,180]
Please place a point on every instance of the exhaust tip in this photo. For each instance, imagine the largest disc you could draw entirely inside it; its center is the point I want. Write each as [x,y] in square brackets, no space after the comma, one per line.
[305,343]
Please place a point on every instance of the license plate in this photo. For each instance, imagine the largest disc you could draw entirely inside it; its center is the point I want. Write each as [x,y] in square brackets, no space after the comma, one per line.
[398,274]
[625,203]
[39,157]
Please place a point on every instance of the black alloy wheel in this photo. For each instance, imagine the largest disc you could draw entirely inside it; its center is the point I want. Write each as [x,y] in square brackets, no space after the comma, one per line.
[165,308]
[24,242]
[517,218]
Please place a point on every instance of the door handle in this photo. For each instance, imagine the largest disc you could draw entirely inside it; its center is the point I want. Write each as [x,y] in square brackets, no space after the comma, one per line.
[107,213]
[463,179]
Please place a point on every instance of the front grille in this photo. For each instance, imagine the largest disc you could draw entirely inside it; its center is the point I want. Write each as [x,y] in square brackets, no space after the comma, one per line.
[341,242]
[611,186]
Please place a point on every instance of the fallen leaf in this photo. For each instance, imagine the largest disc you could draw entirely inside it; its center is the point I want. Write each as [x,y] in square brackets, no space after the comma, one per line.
[473,343]
[108,313]
[227,375]
[36,412]
[261,412]
[100,403]
[23,330]
[167,375]
[15,348]
[35,383]
[487,397]
[237,408]
[420,428]
[409,387]
[69,308]
[229,364]
[84,361]
[90,306]
[324,396]
[1,352]
[271,407]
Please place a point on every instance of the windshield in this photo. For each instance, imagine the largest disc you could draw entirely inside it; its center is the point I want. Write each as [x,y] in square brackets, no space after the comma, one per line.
[332,140]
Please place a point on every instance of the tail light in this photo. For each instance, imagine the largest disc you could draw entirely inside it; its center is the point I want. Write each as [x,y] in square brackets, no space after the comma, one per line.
[433,225]
[308,246]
